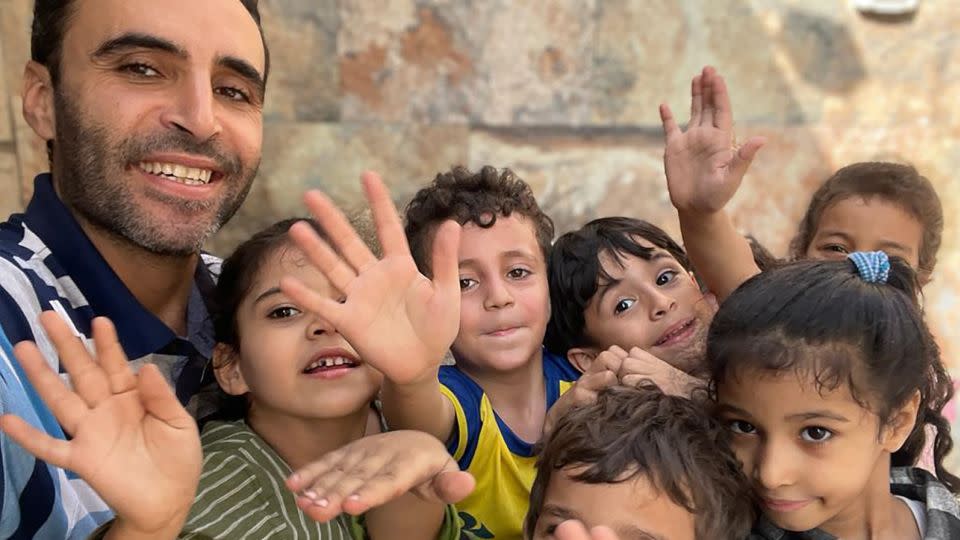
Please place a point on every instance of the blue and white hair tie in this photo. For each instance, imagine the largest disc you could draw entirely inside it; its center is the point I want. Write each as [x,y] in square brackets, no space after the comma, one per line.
[873,266]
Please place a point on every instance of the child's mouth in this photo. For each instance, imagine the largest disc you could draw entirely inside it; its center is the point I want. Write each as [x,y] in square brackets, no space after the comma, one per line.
[676,334]
[329,366]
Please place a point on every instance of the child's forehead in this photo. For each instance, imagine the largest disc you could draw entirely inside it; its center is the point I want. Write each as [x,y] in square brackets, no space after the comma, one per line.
[508,235]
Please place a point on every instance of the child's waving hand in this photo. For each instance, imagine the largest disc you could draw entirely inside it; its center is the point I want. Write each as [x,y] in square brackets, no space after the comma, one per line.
[398,320]
[131,441]
[704,168]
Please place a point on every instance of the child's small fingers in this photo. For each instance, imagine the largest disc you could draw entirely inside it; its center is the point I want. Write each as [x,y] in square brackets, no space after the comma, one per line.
[696,100]
[311,300]
[385,216]
[322,256]
[603,532]
[111,357]
[571,530]
[670,128]
[338,228]
[452,487]
[316,512]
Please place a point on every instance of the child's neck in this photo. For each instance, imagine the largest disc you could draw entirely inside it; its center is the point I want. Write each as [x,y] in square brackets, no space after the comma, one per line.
[877,514]
[519,396]
[300,441]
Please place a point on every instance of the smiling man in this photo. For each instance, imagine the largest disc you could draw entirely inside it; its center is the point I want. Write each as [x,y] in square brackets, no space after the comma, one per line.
[152,113]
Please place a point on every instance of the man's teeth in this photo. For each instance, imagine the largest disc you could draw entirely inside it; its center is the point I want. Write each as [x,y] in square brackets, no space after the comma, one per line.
[330,362]
[178,173]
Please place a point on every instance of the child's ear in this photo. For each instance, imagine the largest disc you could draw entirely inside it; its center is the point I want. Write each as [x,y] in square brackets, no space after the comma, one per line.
[226,368]
[37,96]
[901,424]
[581,358]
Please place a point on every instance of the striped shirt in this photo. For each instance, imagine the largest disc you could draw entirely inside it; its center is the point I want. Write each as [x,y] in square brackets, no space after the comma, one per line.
[48,263]
[242,494]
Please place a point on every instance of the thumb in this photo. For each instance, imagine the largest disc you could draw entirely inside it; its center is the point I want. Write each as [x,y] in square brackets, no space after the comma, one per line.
[744,156]
[159,400]
[453,486]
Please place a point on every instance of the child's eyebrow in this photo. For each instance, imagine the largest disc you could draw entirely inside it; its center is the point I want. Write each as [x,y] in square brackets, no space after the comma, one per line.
[894,246]
[632,532]
[561,512]
[726,408]
[267,293]
[512,254]
[608,285]
[840,234]
[813,415]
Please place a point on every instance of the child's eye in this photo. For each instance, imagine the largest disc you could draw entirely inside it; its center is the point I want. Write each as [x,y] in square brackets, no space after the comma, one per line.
[623,305]
[518,273]
[666,277]
[283,312]
[816,434]
[836,248]
[467,283]
[742,428]
[140,69]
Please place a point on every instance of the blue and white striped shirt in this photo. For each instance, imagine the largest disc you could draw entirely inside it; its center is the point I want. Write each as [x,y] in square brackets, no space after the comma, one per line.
[48,263]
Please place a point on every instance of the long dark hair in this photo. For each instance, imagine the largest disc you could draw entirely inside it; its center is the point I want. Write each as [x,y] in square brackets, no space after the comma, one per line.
[822,318]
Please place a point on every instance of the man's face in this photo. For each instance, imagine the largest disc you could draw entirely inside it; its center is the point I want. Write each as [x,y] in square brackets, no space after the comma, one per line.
[633,508]
[158,115]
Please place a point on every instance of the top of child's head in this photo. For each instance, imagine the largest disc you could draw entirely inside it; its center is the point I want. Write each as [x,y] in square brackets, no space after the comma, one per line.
[871,206]
[261,331]
[504,244]
[647,464]
[828,375]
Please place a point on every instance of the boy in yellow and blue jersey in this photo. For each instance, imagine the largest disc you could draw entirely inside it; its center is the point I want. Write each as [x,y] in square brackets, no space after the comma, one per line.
[486,300]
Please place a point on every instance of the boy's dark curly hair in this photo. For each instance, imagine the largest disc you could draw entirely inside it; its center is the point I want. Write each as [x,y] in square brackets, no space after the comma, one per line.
[472,197]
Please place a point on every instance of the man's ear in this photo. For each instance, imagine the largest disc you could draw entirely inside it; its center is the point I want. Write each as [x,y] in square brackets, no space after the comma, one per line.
[38,100]
[901,424]
[226,368]
[581,358]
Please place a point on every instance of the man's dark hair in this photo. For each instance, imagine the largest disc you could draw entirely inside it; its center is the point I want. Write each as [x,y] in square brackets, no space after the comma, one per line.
[575,272]
[50,20]
[472,197]
[680,449]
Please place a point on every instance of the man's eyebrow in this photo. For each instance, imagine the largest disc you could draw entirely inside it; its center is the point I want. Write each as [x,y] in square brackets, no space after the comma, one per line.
[138,40]
[246,71]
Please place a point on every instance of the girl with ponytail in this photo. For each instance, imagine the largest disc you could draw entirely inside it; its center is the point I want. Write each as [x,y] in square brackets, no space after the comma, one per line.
[828,377]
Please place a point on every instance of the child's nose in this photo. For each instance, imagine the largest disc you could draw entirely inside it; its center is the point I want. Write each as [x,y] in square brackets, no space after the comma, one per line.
[498,295]
[661,304]
[320,326]
[776,465]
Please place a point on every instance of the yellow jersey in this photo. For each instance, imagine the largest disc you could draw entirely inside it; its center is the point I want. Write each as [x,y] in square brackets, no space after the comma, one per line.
[503,464]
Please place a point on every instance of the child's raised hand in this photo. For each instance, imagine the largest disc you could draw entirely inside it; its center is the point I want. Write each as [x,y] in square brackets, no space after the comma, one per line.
[703,167]
[132,441]
[574,530]
[374,470]
[640,366]
[397,319]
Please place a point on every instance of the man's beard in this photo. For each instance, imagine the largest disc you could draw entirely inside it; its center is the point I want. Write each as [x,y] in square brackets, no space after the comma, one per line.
[89,175]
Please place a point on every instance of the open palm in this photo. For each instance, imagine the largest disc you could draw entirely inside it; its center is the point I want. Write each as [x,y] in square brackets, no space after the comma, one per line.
[703,167]
[398,320]
[132,441]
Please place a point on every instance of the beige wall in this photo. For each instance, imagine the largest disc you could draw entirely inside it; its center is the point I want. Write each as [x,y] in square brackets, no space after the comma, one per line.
[566,92]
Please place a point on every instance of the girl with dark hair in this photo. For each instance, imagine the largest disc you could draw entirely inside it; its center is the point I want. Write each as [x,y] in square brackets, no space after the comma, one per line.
[828,377]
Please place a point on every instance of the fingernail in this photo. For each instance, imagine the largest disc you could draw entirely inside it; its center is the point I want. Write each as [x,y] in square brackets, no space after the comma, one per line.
[354,497]
[310,494]
[322,503]
[294,477]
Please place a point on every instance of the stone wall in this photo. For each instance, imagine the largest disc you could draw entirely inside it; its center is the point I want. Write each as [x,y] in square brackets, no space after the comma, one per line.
[566,93]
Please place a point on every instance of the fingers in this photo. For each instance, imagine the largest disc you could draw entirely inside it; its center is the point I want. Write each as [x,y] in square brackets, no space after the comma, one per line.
[385,216]
[39,444]
[708,114]
[744,156]
[322,256]
[159,400]
[348,243]
[444,259]
[337,475]
[313,301]
[66,406]
[696,101]
[670,127]
[592,383]
[111,357]
[87,378]
[452,487]
[610,359]
[723,111]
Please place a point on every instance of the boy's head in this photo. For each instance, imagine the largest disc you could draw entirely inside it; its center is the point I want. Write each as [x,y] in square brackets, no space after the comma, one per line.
[622,281]
[503,250]
[640,461]
[873,206]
